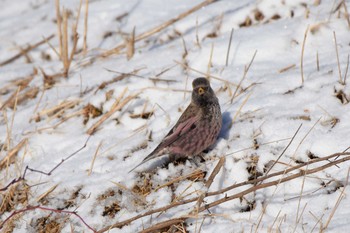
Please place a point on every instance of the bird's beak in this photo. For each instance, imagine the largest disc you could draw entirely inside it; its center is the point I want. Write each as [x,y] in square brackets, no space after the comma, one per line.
[201,91]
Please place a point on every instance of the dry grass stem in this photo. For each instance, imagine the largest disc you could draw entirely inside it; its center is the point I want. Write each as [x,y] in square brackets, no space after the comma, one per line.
[197,37]
[130,45]
[286,68]
[178,179]
[336,51]
[159,28]
[302,140]
[85,26]
[162,225]
[284,150]
[210,61]
[246,69]
[346,70]
[317,62]
[208,183]
[62,24]
[229,47]
[346,13]
[297,217]
[302,55]
[240,109]
[202,73]
[9,158]
[45,194]
[340,198]
[94,158]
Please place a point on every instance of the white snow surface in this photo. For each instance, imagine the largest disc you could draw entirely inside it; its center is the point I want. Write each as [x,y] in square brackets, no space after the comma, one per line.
[269,106]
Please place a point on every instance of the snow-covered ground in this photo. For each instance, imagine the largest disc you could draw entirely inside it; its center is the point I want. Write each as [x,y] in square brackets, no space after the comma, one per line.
[283,58]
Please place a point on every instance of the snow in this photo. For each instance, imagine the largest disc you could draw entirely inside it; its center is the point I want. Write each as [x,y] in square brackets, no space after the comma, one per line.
[272,106]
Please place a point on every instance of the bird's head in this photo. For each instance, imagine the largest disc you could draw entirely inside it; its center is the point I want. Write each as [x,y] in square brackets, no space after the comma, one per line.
[202,93]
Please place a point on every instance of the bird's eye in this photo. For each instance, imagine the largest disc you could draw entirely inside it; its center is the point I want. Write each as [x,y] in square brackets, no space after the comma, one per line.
[201,91]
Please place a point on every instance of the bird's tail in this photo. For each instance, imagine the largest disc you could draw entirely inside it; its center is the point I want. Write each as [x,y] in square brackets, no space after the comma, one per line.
[149,157]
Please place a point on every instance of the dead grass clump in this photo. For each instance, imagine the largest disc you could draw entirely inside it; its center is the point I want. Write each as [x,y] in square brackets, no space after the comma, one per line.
[252,167]
[339,94]
[144,115]
[47,224]
[246,23]
[111,205]
[72,201]
[249,206]
[15,195]
[90,111]
[107,194]
[258,15]
[111,210]
[143,188]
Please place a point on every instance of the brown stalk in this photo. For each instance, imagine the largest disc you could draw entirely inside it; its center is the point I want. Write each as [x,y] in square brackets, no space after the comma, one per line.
[26,50]
[159,28]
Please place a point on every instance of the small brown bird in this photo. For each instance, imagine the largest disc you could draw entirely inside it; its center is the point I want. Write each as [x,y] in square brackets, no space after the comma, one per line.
[197,128]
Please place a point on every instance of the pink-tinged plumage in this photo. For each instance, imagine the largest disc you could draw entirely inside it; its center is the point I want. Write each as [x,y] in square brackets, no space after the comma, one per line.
[197,128]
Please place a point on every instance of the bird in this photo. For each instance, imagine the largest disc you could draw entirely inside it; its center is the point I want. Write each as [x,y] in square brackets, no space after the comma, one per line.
[197,128]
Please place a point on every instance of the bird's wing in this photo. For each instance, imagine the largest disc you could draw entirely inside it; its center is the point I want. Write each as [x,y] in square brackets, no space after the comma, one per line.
[186,123]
